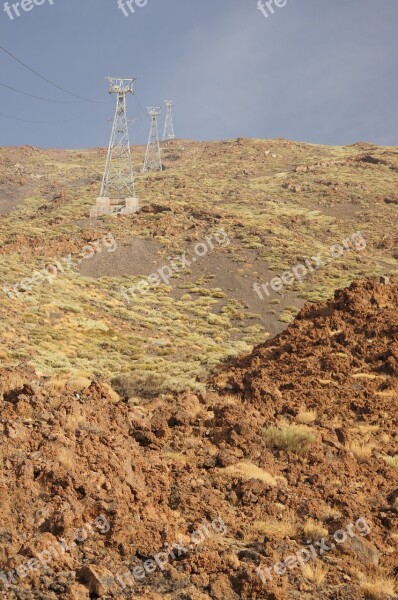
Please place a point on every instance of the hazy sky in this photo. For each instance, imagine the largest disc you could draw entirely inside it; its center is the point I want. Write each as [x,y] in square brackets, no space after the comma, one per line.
[317,70]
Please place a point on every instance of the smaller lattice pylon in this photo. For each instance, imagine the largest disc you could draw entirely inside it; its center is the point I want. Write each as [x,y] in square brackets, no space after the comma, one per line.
[153,159]
[168,132]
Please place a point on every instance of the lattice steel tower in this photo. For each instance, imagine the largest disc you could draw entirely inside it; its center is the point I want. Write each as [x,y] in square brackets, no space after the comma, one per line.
[118,179]
[168,133]
[153,159]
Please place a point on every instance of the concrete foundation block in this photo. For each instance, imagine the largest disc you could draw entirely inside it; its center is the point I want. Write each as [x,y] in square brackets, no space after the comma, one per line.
[132,203]
[103,203]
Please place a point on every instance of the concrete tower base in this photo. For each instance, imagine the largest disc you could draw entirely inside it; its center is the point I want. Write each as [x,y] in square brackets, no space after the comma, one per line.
[109,206]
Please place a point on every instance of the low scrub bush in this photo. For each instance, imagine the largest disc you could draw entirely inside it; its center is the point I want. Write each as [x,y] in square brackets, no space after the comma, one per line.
[294,438]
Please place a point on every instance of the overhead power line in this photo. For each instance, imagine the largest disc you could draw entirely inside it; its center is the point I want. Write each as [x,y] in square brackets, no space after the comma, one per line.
[9,87]
[48,80]
[35,122]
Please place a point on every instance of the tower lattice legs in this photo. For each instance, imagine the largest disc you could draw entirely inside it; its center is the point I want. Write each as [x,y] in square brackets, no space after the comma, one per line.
[168,132]
[117,189]
[153,159]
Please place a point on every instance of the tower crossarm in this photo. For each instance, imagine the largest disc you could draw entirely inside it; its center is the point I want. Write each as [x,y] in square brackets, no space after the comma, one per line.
[118,85]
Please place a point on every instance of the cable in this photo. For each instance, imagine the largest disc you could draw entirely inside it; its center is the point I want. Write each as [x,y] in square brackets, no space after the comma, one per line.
[38,97]
[140,118]
[36,122]
[144,112]
[48,80]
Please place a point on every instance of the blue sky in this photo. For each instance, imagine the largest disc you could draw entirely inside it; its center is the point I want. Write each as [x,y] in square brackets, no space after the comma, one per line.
[316,70]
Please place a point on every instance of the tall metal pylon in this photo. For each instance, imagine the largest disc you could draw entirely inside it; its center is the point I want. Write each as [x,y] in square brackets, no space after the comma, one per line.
[153,159]
[168,132]
[118,179]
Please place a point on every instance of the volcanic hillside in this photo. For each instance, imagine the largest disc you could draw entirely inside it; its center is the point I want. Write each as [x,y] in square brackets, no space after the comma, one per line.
[278,202]
[285,447]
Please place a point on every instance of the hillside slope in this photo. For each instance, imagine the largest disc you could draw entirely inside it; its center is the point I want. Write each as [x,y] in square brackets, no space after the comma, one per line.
[279,203]
[290,445]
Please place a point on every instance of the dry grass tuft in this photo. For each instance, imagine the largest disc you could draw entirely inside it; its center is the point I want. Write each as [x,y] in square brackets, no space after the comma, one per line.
[231,399]
[315,573]
[285,526]
[66,458]
[362,452]
[149,384]
[392,461]
[246,471]
[314,530]
[295,438]
[306,417]
[379,588]
[115,398]
[77,384]
[176,457]
[74,421]
[328,513]
[55,384]
[366,428]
